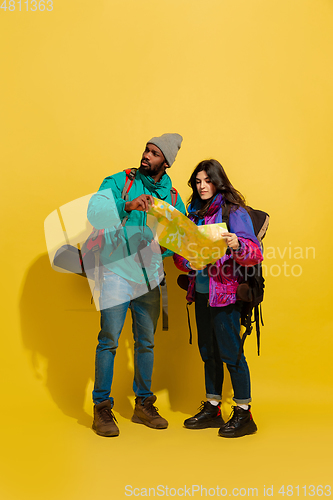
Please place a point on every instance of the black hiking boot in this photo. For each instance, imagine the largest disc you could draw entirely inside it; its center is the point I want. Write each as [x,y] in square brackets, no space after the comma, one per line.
[208,416]
[240,424]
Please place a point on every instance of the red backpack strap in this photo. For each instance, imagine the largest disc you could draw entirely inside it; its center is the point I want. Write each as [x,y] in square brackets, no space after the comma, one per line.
[174,196]
[94,242]
[130,176]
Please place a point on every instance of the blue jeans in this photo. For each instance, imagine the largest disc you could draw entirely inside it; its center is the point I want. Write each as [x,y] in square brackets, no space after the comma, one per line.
[117,296]
[219,341]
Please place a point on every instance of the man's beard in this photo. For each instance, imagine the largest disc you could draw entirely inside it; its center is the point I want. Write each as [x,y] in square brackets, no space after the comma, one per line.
[146,169]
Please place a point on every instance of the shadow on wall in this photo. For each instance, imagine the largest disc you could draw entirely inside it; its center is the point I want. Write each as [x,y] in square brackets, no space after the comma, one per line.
[60,324]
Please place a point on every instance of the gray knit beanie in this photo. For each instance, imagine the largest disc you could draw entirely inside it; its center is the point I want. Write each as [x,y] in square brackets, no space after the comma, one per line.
[169,144]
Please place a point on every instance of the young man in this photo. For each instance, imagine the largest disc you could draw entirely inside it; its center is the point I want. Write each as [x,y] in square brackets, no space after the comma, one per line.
[131,264]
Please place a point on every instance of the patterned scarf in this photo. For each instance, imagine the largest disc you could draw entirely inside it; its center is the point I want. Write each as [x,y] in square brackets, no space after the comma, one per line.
[160,189]
[214,206]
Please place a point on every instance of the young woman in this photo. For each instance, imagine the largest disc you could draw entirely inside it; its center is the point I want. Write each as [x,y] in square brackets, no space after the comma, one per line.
[213,289]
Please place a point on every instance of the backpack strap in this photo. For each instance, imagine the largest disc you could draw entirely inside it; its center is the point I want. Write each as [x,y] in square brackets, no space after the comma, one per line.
[263,229]
[174,196]
[260,222]
[188,320]
[163,285]
[164,297]
[226,213]
[130,176]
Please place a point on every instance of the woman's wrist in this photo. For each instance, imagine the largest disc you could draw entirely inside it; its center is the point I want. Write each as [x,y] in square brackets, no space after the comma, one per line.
[239,247]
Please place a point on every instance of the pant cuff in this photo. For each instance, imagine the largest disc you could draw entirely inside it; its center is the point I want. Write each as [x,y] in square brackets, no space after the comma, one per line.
[101,400]
[242,401]
[214,396]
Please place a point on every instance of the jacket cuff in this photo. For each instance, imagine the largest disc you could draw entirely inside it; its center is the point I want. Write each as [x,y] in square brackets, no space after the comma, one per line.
[187,265]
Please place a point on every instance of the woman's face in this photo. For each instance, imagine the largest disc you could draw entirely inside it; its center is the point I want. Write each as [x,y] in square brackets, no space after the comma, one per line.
[205,187]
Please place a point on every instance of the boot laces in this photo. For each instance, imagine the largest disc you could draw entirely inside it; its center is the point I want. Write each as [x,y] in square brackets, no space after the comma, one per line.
[234,416]
[233,411]
[152,410]
[107,415]
[202,408]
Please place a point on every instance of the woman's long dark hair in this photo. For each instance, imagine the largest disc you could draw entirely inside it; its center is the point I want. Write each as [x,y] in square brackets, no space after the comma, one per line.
[219,179]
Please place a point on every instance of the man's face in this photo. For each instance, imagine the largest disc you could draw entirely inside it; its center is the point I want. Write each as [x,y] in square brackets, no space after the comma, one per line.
[152,162]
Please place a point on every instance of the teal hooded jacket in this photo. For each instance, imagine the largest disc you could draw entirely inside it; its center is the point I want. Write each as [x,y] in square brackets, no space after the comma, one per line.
[106,210]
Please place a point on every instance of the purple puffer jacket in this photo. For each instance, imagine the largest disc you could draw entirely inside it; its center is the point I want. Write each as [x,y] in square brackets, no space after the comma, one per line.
[223,276]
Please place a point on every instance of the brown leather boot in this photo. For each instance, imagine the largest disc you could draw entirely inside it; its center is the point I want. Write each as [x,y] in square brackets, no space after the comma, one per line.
[104,420]
[146,413]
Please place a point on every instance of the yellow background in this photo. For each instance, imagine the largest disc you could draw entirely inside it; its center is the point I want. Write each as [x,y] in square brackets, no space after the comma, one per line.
[248,82]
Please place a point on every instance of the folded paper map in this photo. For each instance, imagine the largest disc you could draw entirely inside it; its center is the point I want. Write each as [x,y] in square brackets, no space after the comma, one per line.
[201,245]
